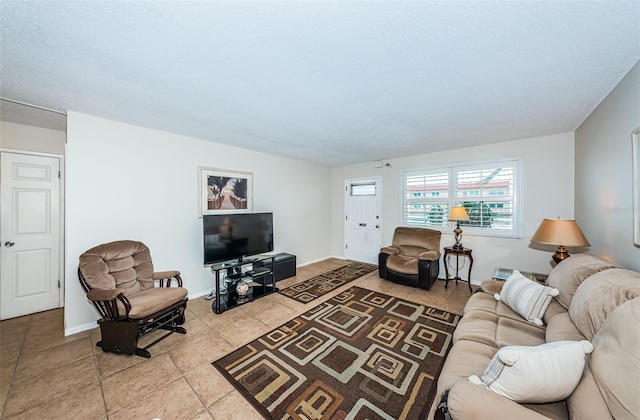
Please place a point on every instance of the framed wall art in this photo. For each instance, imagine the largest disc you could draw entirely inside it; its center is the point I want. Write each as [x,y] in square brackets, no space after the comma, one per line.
[224,191]
[635,151]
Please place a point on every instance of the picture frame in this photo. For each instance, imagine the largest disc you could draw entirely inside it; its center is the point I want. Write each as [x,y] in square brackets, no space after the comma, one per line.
[223,191]
[635,152]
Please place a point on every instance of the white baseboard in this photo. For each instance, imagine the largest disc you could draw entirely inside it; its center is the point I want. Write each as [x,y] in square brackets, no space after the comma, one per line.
[318,260]
[80,328]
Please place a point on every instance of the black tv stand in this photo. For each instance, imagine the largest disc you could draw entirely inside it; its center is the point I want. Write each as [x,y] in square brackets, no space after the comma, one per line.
[225,294]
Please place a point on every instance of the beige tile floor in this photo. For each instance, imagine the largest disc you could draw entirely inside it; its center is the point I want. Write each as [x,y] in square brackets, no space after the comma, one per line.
[44,374]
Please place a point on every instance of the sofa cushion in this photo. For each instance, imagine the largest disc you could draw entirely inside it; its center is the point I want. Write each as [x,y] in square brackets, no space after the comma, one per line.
[586,401]
[526,297]
[536,374]
[553,309]
[497,331]
[470,401]
[488,303]
[465,358]
[615,362]
[599,295]
[561,328]
[571,272]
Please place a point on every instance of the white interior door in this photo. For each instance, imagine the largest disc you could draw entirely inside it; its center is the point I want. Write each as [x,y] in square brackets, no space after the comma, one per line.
[362,224]
[30,232]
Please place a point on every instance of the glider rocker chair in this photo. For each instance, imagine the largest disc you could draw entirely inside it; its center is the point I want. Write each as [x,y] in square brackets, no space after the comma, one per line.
[413,258]
[119,280]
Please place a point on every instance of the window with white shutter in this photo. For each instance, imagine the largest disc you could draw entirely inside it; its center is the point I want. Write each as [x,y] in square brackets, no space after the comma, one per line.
[488,192]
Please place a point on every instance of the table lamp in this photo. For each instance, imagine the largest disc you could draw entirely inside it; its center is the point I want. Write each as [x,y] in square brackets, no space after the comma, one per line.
[457,215]
[561,233]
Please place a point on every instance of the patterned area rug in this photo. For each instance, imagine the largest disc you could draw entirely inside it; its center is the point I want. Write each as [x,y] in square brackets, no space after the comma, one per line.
[311,289]
[359,355]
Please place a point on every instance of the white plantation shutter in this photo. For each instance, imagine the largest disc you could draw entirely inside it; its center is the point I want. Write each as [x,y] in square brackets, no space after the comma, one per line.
[426,198]
[488,191]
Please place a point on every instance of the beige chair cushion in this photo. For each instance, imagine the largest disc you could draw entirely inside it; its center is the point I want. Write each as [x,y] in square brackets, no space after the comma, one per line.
[427,239]
[403,264]
[599,295]
[124,265]
[571,272]
[153,300]
[615,362]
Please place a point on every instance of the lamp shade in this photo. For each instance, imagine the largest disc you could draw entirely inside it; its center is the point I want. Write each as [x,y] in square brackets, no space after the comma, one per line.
[560,232]
[458,213]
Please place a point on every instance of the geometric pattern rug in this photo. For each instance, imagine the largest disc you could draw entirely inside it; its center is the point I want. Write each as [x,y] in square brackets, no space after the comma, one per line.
[359,355]
[311,289]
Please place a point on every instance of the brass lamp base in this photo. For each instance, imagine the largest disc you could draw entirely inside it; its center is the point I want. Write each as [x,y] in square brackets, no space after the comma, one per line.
[561,254]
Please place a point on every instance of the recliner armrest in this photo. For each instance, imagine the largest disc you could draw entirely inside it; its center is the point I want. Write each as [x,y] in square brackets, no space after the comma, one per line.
[97,295]
[390,250]
[471,401]
[429,255]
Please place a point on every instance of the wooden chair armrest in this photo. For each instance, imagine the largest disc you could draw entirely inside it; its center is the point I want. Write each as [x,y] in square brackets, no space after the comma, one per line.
[107,303]
[166,277]
[98,295]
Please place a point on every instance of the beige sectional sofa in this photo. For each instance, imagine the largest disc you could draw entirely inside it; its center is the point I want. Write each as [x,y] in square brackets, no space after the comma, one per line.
[596,302]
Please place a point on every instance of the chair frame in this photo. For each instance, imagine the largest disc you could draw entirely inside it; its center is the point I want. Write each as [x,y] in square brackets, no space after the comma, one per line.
[120,333]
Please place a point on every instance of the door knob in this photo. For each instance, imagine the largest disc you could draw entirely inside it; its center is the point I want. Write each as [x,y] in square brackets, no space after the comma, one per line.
[9,243]
[377,226]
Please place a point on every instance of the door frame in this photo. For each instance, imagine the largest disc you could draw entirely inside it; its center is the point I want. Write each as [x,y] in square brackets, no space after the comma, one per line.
[61,241]
[366,180]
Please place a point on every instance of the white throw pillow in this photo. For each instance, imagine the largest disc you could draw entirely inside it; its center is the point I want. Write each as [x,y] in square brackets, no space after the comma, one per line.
[536,374]
[526,297]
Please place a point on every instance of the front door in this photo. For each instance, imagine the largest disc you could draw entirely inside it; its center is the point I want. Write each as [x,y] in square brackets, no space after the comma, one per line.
[30,234]
[362,224]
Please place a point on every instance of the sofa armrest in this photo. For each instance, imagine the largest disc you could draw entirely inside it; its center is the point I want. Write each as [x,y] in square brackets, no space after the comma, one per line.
[429,255]
[471,401]
[390,250]
[492,286]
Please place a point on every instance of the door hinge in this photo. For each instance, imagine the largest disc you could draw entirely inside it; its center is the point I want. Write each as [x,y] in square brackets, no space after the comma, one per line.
[58,174]
[346,217]
[59,284]
[346,246]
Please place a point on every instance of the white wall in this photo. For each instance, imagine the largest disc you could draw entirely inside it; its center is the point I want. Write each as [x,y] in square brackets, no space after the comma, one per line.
[604,197]
[546,187]
[32,139]
[128,182]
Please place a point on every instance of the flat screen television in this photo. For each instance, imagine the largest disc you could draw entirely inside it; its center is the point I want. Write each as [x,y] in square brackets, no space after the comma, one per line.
[230,237]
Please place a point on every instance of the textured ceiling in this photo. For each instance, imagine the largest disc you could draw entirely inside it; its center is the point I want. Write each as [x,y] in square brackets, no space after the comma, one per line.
[328,82]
